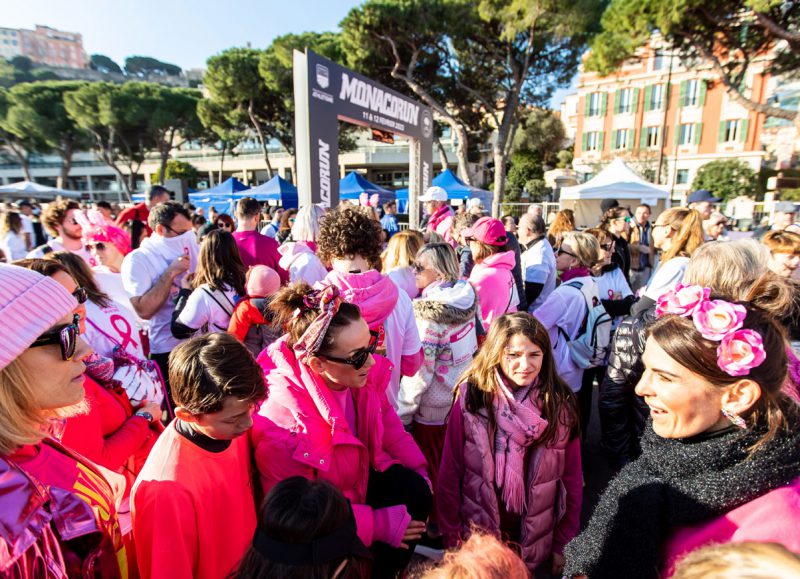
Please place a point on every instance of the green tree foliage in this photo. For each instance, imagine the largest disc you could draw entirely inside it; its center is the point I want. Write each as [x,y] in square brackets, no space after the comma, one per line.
[37,111]
[16,146]
[234,84]
[542,132]
[176,169]
[102,63]
[525,175]
[144,66]
[20,69]
[727,35]
[727,179]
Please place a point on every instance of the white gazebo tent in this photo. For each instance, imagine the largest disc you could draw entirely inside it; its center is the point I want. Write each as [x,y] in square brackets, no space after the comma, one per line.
[31,190]
[617,181]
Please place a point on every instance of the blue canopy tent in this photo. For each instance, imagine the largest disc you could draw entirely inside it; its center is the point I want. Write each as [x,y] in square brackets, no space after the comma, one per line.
[139,197]
[220,197]
[276,189]
[353,185]
[455,187]
[229,186]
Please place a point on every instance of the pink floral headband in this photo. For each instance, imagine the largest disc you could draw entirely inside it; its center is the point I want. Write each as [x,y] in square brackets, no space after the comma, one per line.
[739,350]
[327,301]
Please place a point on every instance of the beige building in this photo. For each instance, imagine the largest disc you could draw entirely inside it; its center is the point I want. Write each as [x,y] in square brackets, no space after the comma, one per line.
[10,44]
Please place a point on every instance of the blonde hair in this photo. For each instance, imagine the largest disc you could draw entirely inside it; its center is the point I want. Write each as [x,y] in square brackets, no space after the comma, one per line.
[782,242]
[306,223]
[402,249]
[481,556]
[443,260]
[563,222]
[729,268]
[688,227]
[584,245]
[749,560]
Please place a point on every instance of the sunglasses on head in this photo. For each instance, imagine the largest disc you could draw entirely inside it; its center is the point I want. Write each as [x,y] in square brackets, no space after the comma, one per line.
[65,336]
[361,356]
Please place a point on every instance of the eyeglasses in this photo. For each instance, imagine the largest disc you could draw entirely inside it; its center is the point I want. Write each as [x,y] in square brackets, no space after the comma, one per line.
[561,250]
[81,295]
[608,246]
[66,337]
[99,246]
[418,267]
[177,233]
[361,356]
[223,224]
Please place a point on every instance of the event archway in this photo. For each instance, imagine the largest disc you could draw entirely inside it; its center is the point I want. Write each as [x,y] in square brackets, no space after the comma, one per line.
[325,92]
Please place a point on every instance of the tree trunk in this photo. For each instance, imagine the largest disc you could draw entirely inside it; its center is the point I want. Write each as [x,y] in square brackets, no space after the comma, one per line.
[261,138]
[222,161]
[22,157]
[461,153]
[442,153]
[162,170]
[499,155]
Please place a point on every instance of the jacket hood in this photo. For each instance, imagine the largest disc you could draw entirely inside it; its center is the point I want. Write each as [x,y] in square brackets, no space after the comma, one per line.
[290,252]
[448,305]
[503,260]
[375,294]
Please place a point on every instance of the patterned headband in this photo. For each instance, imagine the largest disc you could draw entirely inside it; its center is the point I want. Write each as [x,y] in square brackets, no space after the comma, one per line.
[739,350]
[327,301]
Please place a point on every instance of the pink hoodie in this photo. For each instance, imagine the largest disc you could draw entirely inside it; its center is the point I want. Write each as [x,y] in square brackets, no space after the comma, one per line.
[301,262]
[302,430]
[772,517]
[387,310]
[441,222]
[494,284]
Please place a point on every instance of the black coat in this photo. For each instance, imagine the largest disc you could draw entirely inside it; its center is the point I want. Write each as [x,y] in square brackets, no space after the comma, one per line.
[622,412]
[622,256]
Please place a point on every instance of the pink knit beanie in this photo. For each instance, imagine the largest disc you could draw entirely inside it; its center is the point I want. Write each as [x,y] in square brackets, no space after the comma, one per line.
[262,281]
[30,304]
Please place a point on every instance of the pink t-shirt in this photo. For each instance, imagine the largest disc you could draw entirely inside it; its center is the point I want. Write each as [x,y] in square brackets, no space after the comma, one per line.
[257,249]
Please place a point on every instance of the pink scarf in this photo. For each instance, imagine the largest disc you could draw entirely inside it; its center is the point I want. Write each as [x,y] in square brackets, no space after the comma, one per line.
[573,273]
[519,424]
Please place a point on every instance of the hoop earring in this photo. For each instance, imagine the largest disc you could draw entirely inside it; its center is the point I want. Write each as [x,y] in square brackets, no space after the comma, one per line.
[734,418]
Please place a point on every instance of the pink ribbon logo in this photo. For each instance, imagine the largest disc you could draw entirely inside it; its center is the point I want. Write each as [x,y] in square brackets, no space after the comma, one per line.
[125,332]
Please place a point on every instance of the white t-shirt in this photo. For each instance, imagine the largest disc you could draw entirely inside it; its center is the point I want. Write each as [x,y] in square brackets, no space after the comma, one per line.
[206,307]
[402,339]
[27,226]
[56,245]
[666,277]
[111,284]
[13,246]
[111,326]
[612,285]
[539,266]
[564,308]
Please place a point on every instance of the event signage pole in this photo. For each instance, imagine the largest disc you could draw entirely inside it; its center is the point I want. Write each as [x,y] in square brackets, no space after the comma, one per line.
[325,92]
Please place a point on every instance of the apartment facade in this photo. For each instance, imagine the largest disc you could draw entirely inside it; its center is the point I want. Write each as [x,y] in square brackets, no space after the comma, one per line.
[57,48]
[659,112]
[10,43]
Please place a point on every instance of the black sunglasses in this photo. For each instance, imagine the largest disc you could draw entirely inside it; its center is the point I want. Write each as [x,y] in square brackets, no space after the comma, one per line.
[418,268]
[81,295]
[66,337]
[561,250]
[607,247]
[360,358]
[99,246]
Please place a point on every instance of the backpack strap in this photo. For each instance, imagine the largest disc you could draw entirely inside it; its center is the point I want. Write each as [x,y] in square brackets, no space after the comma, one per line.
[224,309]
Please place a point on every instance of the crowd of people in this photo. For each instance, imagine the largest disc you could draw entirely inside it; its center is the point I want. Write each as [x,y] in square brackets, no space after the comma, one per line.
[323,393]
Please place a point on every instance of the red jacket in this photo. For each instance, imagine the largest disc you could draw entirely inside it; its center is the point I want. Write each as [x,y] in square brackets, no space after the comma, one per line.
[301,430]
[138,212]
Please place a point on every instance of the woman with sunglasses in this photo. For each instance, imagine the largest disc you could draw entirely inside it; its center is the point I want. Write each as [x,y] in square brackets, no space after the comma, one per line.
[617,222]
[327,417]
[58,510]
[225,223]
[287,222]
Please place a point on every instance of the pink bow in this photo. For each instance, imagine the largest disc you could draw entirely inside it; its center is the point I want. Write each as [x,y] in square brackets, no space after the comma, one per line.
[328,301]
[365,200]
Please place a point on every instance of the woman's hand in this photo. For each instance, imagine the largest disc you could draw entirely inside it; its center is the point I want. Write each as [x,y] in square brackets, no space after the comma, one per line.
[152,408]
[413,533]
[186,281]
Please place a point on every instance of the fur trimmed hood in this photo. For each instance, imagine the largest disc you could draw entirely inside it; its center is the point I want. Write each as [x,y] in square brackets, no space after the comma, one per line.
[448,305]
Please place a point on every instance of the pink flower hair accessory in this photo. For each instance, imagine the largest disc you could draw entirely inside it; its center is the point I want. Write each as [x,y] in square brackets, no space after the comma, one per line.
[715,319]
[682,301]
[741,351]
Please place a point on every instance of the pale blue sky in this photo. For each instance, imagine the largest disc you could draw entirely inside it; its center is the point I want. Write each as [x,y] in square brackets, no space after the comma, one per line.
[184,33]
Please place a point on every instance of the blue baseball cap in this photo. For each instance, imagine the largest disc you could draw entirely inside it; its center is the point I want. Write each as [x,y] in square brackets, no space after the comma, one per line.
[703,195]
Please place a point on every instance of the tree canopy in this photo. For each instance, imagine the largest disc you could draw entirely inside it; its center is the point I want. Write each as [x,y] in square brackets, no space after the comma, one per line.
[143,66]
[727,179]
[104,64]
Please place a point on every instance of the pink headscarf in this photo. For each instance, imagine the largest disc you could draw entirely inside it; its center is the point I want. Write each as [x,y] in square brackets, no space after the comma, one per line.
[327,301]
[97,229]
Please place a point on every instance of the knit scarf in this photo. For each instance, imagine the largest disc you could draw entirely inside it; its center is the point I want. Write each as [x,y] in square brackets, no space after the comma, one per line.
[573,273]
[519,424]
[677,483]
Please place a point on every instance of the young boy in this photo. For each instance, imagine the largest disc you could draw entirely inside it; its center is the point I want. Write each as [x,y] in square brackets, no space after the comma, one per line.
[193,506]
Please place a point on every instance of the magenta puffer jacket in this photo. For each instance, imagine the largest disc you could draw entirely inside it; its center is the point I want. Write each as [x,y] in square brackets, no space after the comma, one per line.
[466,493]
[301,430]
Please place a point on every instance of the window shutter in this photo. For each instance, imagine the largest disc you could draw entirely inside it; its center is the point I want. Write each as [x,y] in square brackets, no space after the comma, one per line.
[586,101]
[614,139]
[616,102]
[701,100]
[677,134]
[648,95]
[698,131]
[630,139]
[682,97]
[603,103]
[743,130]
[584,138]
[643,138]
[721,132]
[635,103]
[662,138]
[665,95]
[600,136]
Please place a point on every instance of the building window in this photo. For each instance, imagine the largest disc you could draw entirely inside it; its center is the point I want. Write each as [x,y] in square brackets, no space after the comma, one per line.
[624,101]
[732,131]
[659,61]
[682,177]
[693,93]
[689,134]
[593,141]
[622,139]
[594,104]
[655,97]
[652,137]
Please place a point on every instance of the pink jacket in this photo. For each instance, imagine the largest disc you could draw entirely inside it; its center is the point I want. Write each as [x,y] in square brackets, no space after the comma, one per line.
[772,517]
[442,222]
[301,430]
[466,493]
[494,283]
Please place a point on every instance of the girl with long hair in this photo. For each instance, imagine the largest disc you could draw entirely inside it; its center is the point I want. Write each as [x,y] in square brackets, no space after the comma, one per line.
[12,237]
[617,222]
[207,300]
[398,260]
[299,256]
[564,222]
[512,460]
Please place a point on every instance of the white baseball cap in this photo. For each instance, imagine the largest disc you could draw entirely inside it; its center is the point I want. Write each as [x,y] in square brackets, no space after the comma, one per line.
[434,194]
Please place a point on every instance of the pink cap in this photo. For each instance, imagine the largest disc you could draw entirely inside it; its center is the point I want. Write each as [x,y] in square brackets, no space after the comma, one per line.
[262,281]
[488,230]
[30,304]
